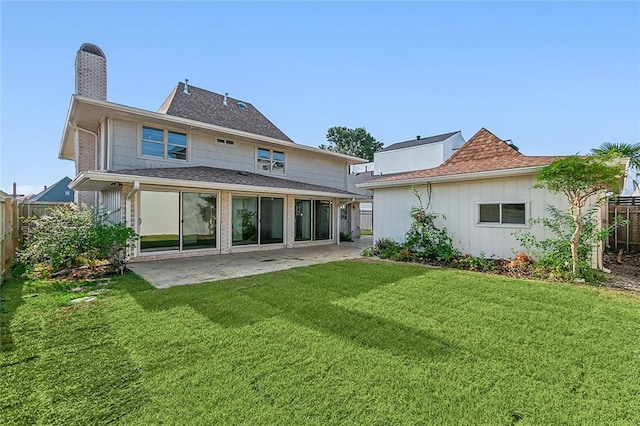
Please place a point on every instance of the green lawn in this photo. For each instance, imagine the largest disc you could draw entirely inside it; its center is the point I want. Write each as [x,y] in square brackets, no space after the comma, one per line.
[353,342]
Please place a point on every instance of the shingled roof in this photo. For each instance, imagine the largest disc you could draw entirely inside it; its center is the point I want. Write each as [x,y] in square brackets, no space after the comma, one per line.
[421,141]
[209,107]
[483,152]
[227,176]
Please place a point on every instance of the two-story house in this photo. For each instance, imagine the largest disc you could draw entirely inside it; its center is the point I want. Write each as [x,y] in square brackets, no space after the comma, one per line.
[204,174]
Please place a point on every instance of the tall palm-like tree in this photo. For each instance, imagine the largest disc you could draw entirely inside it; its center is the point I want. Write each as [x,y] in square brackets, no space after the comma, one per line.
[631,151]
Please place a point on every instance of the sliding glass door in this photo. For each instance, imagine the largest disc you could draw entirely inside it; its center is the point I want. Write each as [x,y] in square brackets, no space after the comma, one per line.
[313,221]
[271,220]
[303,220]
[244,220]
[257,220]
[177,221]
[322,216]
[159,221]
[198,220]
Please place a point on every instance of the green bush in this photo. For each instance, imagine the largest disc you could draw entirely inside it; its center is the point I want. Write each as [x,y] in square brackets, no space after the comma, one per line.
[424,238]
[480,263]
[553,254]
[346,236]
[68,236]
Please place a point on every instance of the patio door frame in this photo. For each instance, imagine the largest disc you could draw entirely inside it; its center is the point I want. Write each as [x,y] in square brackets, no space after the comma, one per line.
[259,219]
[180,192]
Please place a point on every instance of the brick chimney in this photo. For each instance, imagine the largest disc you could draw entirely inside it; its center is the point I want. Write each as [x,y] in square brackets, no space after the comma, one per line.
[91,72]
[91,82]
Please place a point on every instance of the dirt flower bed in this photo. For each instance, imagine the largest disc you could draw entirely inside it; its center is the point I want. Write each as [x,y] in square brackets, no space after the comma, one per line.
[625,276]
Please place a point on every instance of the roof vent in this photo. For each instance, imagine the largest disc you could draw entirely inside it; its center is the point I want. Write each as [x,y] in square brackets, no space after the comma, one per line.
[225,99]
[241,173]
[510,143]
[418,137]
[186,86]
[242,105]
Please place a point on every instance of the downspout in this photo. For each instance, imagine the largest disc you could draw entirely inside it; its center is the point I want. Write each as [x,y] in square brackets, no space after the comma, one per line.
[127,212]
[95,151]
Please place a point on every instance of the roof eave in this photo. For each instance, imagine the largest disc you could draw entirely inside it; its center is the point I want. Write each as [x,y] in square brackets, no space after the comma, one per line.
[97,181]
[63,153]
[452,178]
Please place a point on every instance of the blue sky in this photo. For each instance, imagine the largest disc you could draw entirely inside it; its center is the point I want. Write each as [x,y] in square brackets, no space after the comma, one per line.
[556,78]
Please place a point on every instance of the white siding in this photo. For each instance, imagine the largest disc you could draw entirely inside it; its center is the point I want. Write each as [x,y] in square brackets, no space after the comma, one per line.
[112,203]
[457,201]
[205,151]
[418,157]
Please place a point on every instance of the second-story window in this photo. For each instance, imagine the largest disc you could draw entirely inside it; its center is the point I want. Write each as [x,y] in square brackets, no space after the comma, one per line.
[164,143]
[270,161]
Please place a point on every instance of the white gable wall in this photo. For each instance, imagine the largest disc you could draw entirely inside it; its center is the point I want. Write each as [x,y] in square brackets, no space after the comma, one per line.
[416,157]
[458,202]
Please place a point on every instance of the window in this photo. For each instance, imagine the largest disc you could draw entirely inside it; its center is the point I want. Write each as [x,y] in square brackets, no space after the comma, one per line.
[503,213]
[225,141]
[270,161]
[164,143]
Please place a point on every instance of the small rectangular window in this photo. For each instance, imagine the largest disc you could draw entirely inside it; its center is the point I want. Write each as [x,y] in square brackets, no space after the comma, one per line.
[164,144]
[270,161]
[502,213]
[489,213]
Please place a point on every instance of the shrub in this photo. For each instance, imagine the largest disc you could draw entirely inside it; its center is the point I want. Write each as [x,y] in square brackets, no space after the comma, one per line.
[68,236]
[554,253]
[386,248]
[424,238]
[346,236]
[480,263]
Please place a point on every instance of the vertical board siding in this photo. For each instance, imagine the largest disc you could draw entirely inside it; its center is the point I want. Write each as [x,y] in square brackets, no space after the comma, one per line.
[457,201]
[112,204]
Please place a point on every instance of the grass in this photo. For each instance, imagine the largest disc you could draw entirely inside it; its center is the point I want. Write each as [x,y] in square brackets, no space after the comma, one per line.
[351,342]
[366,232]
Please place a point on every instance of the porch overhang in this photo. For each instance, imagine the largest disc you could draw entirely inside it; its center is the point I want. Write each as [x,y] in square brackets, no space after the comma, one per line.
[103,181]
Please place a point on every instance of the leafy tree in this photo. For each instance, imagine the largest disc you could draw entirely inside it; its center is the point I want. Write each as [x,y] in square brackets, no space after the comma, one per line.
[356,142]
[579,178]
[630,151]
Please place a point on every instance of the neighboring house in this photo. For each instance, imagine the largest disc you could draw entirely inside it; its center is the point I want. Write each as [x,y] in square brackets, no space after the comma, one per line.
[417,154]
[59,192]
[485,190]
[205,174]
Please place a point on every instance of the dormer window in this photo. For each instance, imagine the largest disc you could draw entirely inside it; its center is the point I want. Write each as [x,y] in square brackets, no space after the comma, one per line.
[270,161]
[163,143]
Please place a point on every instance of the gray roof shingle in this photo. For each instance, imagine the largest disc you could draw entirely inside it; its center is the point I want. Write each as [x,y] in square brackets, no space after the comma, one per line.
[232,177]
[421,141]
[208,107]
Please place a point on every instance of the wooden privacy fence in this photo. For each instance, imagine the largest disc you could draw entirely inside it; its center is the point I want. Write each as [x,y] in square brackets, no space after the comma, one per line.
[366,220]
[9,223]
[626,237]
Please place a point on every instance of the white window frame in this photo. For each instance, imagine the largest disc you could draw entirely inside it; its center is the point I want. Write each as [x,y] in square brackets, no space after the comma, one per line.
[271,160]
[500,224]
[165,143]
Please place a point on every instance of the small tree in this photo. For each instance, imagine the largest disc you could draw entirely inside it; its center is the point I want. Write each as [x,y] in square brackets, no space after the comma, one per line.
[356,142]
[579,179]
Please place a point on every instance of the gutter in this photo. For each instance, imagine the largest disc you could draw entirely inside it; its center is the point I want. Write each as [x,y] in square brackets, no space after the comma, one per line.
[127,208]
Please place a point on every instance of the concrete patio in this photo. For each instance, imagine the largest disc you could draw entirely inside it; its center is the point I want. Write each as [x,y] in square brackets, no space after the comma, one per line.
[199,269]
